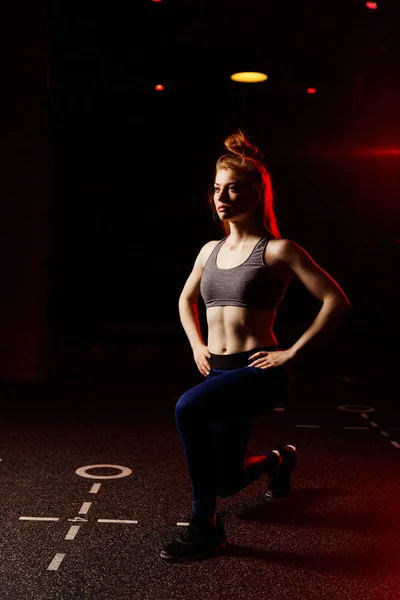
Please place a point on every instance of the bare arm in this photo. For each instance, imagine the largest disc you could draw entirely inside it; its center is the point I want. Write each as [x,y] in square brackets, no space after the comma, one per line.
[189,316]
[334,302]
[188,300]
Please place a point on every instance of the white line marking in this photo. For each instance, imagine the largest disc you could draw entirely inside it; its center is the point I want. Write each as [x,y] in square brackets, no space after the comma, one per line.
[116,521]
[364,416]
[384,433]
[395,444]
[73,530]
[95,488]
[310,426]
[363,428]
[39,519]
[278,409]
[374,424]
[85,508]
[56,562]
[182,524]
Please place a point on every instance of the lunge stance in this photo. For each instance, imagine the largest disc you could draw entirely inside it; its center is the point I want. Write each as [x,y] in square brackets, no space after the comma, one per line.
[242,279]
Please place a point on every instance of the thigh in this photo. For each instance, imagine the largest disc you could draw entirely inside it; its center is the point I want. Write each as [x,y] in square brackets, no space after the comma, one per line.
[222,394]
[236,393]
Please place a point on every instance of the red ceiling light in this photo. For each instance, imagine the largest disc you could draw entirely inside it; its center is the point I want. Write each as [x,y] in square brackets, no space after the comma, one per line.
[371,5]
[311,91]
[159,88]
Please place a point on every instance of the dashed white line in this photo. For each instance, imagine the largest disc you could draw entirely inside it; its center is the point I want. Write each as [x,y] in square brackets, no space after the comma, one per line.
[374,424]
[116,521]
[395,444]
[39,519]
[384,433]
[56,562]
[309,426]
[361,428]
[182,524]
[73,530]
[95,488]
[364,416]
[85,508]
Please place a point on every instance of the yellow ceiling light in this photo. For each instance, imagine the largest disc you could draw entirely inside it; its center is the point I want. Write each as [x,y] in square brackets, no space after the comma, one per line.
[249,77]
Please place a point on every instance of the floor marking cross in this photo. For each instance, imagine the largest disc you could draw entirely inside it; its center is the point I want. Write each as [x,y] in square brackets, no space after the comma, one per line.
[84,509]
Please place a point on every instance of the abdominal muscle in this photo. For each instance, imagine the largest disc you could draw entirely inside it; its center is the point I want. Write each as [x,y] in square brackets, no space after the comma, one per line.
[233,329]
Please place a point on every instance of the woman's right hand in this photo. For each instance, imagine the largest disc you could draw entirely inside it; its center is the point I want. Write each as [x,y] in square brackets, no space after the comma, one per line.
[200,355]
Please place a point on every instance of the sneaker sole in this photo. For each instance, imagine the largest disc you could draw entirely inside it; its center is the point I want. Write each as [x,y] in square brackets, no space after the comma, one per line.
[276,498]
[269,496]
[208,553]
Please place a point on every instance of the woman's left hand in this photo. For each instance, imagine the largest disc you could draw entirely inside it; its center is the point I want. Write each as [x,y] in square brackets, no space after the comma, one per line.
[268,360]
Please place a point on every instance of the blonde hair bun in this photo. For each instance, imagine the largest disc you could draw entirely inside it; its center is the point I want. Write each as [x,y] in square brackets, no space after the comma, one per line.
[238,144]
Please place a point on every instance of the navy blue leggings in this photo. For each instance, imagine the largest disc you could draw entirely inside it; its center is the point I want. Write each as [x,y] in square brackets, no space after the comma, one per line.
[214,420]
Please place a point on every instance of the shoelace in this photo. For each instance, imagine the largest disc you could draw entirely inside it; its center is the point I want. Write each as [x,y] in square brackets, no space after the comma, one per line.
[192,529]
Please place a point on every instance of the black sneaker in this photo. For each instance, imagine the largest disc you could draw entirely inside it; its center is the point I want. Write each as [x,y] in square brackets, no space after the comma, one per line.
[278,486]
[197,540]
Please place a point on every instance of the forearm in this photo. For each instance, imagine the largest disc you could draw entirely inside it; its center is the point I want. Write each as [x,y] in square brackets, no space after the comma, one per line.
[189,316]
[332,312]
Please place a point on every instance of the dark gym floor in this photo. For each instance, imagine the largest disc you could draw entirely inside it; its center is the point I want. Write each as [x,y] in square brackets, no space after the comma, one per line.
[71,535]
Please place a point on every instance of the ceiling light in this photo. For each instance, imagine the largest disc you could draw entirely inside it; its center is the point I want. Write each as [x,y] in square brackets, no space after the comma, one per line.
[249,77]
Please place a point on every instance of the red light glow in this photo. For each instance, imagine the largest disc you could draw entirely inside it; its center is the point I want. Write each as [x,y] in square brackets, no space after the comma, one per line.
[377,151]
[311,91]
[371,5]
[159,88]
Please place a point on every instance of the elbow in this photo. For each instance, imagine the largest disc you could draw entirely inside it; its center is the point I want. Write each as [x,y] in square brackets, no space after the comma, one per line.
[339,302]
[184,299]
[343,304]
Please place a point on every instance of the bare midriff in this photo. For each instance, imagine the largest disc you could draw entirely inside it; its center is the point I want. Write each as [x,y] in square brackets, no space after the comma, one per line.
[233,329]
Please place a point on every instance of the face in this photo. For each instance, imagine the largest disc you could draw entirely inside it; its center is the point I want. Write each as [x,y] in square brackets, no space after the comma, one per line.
[233,197]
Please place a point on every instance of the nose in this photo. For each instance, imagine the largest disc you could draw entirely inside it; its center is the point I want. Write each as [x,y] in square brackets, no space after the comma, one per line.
[221,194]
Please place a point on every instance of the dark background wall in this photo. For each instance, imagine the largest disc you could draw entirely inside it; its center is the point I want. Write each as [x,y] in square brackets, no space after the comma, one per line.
[24,192]
[130,167]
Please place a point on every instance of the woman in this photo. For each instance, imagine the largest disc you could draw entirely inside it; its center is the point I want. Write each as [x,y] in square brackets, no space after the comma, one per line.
[241,279]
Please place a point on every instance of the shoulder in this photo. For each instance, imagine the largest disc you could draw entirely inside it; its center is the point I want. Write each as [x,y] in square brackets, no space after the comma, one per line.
[287,258]
[282,250]
[277,257]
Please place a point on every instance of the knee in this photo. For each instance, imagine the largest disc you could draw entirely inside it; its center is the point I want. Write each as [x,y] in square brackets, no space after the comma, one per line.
[183,408]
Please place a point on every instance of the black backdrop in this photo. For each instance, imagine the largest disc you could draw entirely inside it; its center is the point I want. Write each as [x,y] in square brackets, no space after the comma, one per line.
[131,167]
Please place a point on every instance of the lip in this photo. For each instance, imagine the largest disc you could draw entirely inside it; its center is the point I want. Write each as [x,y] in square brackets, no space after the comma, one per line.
[221,208]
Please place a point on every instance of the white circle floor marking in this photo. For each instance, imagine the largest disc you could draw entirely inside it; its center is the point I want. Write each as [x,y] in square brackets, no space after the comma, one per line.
[82,472]
[356,408]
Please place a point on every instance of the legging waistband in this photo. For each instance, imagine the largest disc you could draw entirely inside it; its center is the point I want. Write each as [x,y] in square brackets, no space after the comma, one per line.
[236,360]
